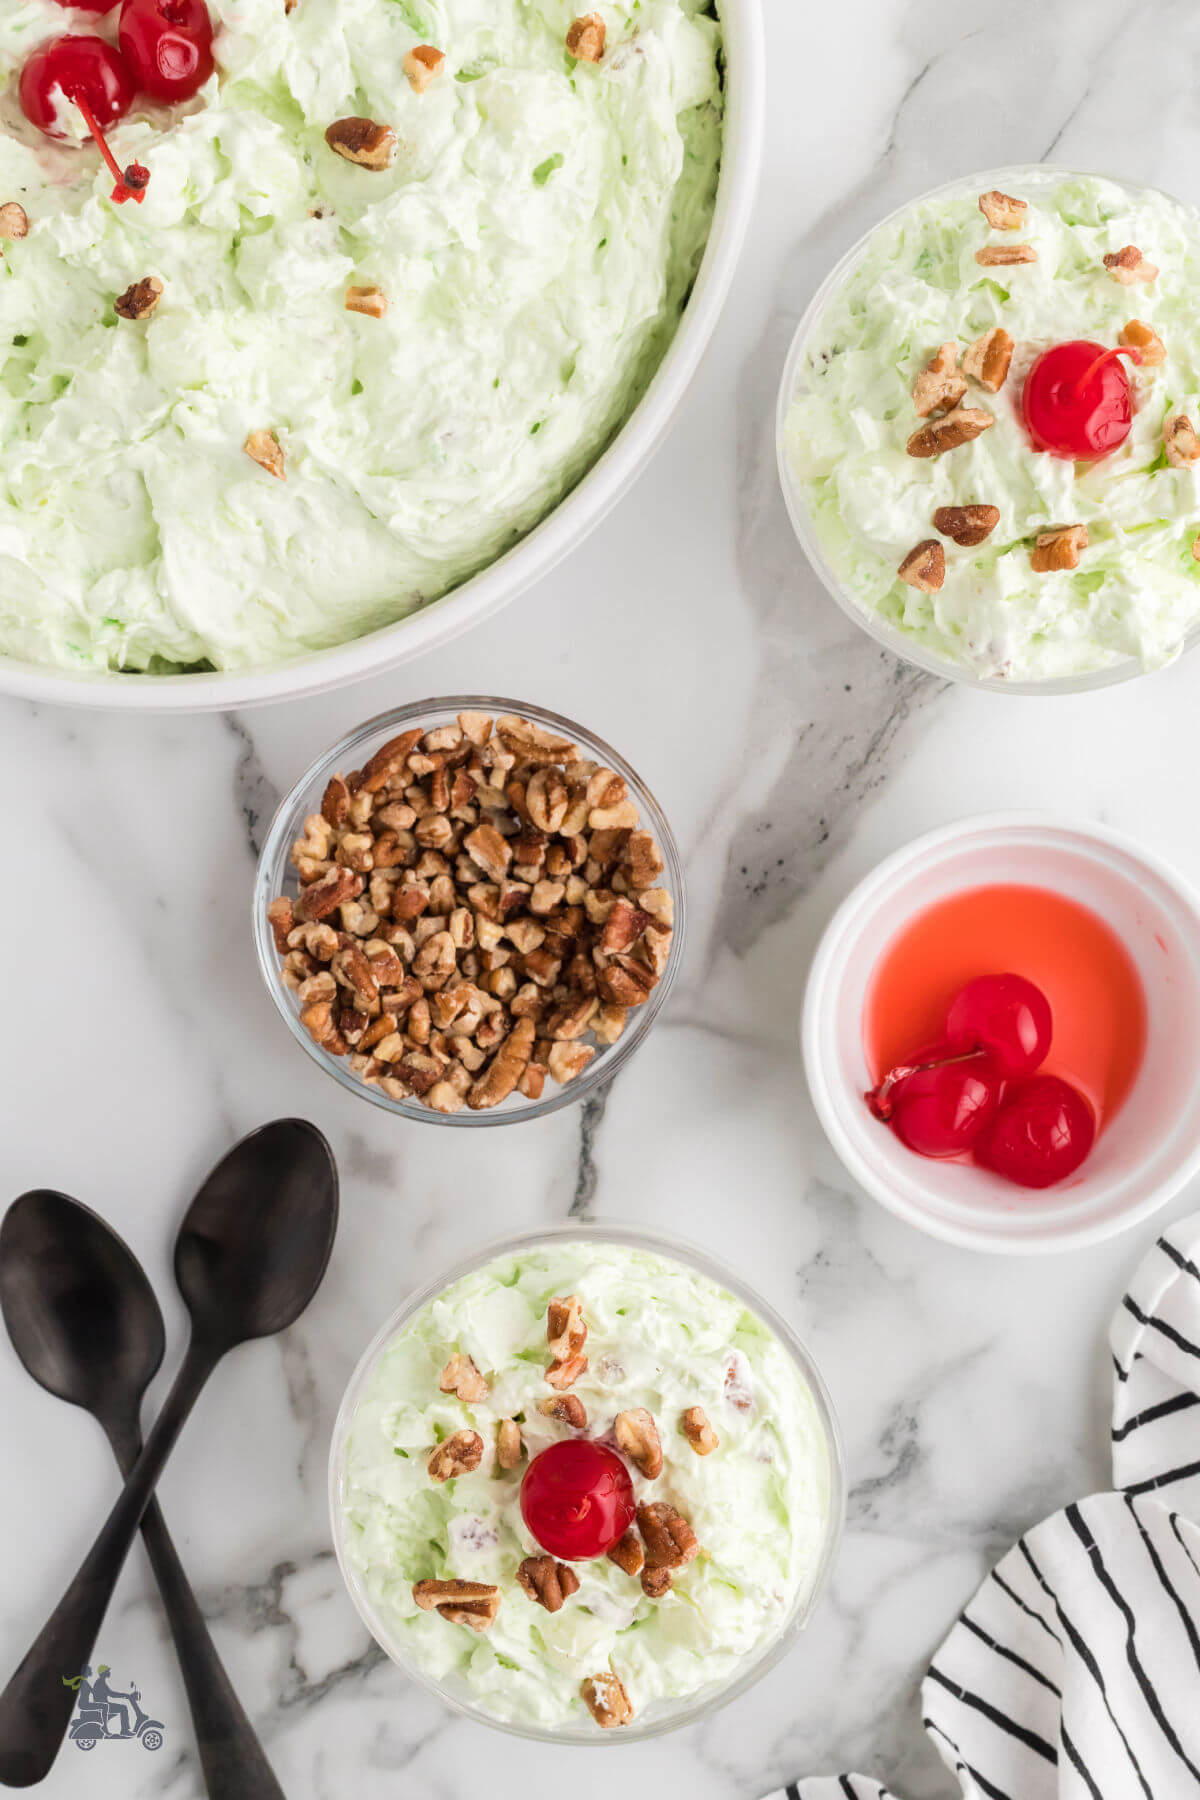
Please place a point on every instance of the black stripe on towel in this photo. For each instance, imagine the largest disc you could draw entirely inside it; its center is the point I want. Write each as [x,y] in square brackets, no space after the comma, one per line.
[1184,1615]
[1153,1482]
[1168,1331]
[963,1767]
[1028,1610]
[1030,1739]
[1179,1259]
[1010,1655]
[1090,1664]
[1164,1410]
[1077,1763]
[1077,1523]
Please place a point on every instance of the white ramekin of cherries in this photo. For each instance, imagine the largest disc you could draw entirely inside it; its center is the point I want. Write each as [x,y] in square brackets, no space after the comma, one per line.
[163,51]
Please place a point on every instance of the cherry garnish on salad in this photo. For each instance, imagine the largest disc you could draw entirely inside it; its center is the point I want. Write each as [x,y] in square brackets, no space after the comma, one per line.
[94,77]
[168,46]
[577,1499]
[88,6]
[1076,401]
[1040,1136]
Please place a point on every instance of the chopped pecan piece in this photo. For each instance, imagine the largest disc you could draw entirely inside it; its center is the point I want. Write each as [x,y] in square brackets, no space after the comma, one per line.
[562,1375]
[532,743]
[566,1331]
[967,525]
[1058,549]
[282,921]
[508,1444]
[14,221]
[637,1438]
[422,65]
[950,431]
[628,1553]
[461,1454]
[472,1603]
[1182,444]
[1145,340]
[264,448]
[1001,211]
[567,1060]
[318,1021]
[939,386]
[506,1068]
[364,142]
[989,358]
[607,1701]
[656,1581]
[698,1432]
[547,1582]
[586,38]
[568,1409]
[1000,256]
[461,1377]
[370,301]
[323,896]
[924,567]
[669,1539]
[1129,265]
[140,300]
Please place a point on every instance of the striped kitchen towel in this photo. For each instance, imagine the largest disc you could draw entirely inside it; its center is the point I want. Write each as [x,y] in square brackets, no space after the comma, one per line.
[1074,1674]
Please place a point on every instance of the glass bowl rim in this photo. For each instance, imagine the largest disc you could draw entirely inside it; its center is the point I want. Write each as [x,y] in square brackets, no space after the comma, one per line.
[883,632]
[671,1249]
[273,865]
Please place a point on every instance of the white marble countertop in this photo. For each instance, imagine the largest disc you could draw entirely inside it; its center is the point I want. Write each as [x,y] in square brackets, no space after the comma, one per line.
[791,754]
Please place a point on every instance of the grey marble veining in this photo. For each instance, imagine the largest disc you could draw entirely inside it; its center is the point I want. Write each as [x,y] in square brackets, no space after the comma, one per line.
[790,755]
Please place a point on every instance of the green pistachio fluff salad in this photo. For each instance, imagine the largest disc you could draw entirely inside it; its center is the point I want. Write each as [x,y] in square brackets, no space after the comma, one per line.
[660,1336]
[535,239]
[1135,592]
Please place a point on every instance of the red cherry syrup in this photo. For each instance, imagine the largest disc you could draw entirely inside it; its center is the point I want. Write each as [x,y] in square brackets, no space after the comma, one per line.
[577,1499]
[1077,401]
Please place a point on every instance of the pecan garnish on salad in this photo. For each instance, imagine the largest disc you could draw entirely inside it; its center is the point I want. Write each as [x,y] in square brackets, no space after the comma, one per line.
[471,1603]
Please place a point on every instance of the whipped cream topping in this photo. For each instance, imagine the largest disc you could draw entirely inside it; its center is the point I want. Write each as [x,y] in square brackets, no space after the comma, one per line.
[536,239]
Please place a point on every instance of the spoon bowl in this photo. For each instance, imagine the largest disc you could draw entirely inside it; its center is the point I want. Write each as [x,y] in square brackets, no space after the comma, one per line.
[80,1312]
[257,1238]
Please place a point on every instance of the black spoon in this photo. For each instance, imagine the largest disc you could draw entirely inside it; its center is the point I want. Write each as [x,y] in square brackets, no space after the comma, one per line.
[250,1255]
[85,1322]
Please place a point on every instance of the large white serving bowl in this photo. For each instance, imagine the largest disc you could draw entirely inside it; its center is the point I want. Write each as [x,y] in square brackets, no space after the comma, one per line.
[559,532]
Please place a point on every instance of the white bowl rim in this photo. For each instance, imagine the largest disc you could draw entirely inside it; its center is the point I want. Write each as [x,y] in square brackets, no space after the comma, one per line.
[896,642]
[671,1249]
[981,1237]
[541,549]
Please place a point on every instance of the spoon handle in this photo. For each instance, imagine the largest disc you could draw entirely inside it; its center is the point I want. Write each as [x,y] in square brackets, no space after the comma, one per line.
[36,1707]
[235,1765]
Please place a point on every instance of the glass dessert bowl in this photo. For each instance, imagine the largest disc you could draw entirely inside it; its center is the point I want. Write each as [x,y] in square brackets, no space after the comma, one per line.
[565,1393]
[470,911]
[968,527]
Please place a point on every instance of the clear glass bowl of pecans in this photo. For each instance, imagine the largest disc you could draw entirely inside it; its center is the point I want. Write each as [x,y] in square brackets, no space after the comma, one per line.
[470,911]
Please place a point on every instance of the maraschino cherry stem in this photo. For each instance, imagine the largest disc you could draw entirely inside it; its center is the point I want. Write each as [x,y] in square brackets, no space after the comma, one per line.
[1119,350]
[131,184]
[879,1098]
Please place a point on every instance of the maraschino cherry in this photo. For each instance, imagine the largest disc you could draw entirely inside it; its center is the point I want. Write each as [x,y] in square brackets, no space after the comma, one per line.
[1005,1015]
[577,1499]
[939,1102]
[168,46]
[92,75]
[1040,1136]
[1076,401]
[88,6]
